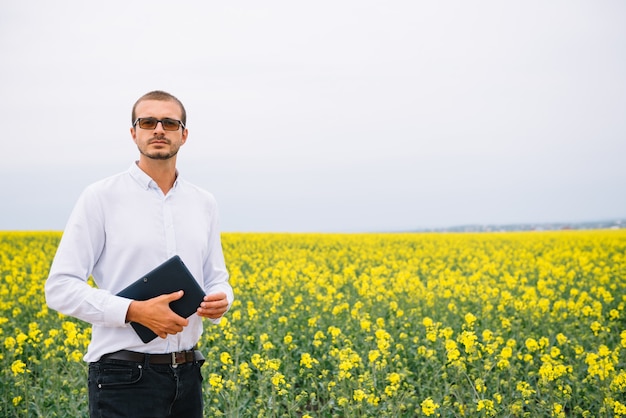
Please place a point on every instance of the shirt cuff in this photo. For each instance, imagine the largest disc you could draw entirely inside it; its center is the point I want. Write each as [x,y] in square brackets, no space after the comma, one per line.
[115,311]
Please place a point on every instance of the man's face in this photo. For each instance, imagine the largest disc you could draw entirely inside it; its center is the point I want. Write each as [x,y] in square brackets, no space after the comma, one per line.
[157,143]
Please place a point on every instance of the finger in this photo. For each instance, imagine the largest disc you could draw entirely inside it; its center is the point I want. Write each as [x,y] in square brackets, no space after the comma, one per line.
[174,329]
[175,295]
[215,296]
[214,309]
[180,322]
[215,304]
[211,312]
[220,304]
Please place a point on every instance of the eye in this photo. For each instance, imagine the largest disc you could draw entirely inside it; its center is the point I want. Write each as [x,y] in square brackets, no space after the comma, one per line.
[170,124]
[147,123]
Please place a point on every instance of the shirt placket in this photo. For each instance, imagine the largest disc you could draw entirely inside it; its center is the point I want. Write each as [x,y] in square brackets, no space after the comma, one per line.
[168,225]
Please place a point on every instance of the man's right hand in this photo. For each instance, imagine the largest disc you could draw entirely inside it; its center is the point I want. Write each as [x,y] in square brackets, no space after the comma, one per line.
[156,314]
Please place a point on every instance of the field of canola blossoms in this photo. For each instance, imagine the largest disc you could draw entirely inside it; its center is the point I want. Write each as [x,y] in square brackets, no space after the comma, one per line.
[386,325]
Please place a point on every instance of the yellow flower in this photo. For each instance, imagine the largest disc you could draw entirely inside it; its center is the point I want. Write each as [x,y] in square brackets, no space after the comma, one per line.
[225,358]
[244,370]
[446,333]
[619,409]
[273,364]
[470,319]
[9,343]
[532,345]
[525,389]
[619,382]
[506,353]
[604,351]
[334,331]
[18,367]
[600,366]
[383,340]
[366,325]
[452,351]
[359,395]
[342,307]
[487,406]
[468,339]
[596,327]
[257,361]
[34,333]
[373,355]
[429,406]
[394,378]
[505,323]
[557,410]
[479,385]
[76,356]
[307,361]
[373,399]
[550,371]
[216,382]
[21,338]
[278,379]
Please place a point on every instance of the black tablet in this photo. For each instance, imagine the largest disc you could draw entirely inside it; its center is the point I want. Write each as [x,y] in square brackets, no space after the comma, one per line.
[171,276]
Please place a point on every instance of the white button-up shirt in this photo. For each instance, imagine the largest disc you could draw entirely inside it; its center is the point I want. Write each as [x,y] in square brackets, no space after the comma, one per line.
[121,228]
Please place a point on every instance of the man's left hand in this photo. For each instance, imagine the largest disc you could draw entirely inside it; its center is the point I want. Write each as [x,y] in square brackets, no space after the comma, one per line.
[213,306]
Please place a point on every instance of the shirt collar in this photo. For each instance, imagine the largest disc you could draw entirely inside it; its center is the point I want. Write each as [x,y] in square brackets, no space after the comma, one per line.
[145,180]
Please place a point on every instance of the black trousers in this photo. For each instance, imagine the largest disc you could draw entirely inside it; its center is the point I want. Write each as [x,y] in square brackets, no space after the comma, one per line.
[130,389]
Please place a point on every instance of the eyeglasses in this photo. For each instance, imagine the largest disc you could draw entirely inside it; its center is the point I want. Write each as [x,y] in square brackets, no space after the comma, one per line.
[151,123]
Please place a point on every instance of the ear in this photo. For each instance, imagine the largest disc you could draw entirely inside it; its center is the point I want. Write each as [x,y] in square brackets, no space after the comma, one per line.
[184,136]
[133,134]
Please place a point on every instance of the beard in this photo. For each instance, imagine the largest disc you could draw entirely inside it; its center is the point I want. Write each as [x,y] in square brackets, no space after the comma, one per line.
[159,155]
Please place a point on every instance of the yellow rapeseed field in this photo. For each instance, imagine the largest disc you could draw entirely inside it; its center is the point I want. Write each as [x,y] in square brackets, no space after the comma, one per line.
[354,325]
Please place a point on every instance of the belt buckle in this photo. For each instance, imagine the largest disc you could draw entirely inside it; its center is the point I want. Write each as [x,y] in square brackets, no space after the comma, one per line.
[175,361]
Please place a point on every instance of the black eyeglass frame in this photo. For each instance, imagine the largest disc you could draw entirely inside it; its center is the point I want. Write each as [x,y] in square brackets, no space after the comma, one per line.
[180,123]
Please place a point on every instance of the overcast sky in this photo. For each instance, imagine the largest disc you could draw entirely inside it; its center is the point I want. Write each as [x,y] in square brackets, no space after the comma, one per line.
[329,116]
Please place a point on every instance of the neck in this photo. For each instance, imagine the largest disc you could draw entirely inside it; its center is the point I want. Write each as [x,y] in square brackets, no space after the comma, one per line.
[163,172]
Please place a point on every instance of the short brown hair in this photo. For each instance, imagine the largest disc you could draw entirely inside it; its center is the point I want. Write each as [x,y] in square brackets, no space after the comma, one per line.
[160,95]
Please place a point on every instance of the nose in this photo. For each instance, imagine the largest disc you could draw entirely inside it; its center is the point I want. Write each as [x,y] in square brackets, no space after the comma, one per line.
[159,127]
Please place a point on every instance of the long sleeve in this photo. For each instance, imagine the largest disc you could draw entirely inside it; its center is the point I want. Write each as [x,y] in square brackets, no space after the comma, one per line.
[215,273]
[67,290]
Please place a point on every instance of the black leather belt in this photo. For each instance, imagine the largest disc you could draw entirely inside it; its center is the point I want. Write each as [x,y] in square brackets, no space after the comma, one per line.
[173,359]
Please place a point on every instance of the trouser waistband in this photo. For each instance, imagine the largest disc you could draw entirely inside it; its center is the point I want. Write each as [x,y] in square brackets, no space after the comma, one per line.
[173,359]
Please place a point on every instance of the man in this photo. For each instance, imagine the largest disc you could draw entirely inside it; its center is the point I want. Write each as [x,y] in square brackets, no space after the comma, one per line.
[121,228]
